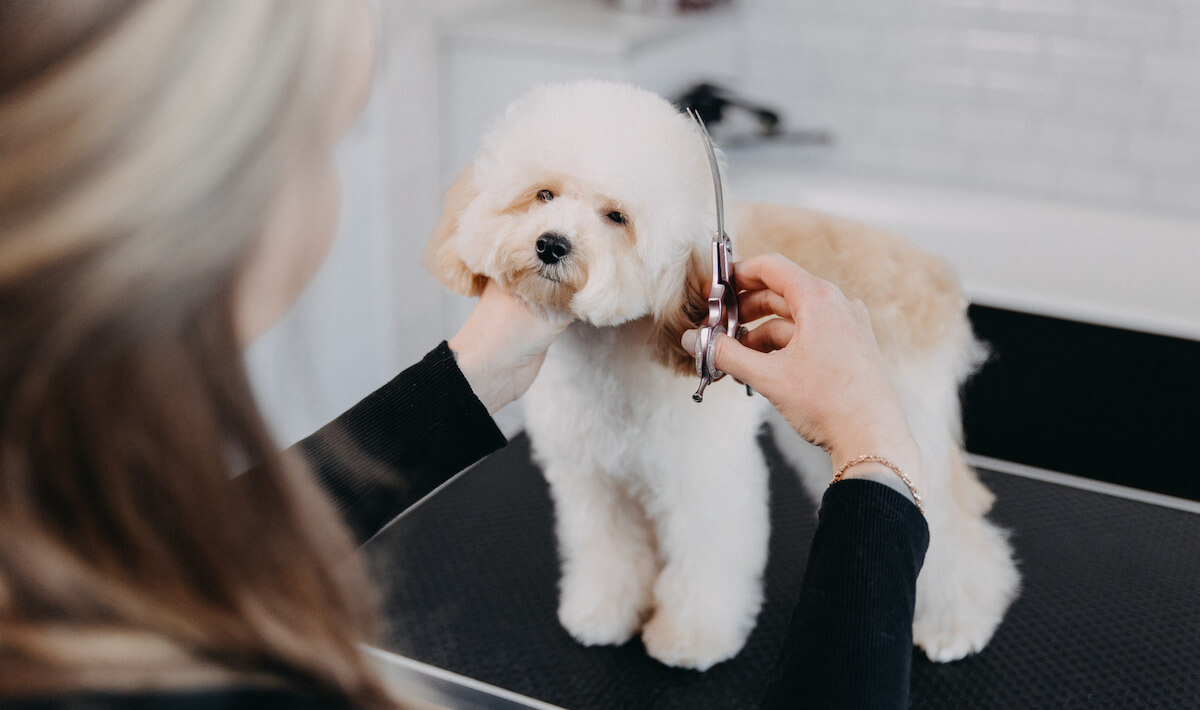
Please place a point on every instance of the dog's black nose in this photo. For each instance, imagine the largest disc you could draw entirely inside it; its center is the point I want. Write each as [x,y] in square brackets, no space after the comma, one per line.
[552,248]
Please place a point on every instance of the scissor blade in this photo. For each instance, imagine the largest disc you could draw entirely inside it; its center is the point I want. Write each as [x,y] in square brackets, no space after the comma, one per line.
[716,174]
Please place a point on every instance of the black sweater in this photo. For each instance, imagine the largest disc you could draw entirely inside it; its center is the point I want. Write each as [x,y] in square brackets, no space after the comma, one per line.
[849,643]
[402,441]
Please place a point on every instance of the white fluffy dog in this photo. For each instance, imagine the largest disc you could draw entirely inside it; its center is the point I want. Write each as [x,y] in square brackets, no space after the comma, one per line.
[595,200]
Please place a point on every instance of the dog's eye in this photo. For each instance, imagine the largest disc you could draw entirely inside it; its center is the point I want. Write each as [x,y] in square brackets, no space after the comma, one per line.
[616,217]
[545,195]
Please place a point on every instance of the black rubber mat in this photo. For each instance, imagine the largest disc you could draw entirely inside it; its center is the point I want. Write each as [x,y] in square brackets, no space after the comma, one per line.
[1109,616]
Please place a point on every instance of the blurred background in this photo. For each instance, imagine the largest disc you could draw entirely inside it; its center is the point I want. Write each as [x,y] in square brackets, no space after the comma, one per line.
[1048,149]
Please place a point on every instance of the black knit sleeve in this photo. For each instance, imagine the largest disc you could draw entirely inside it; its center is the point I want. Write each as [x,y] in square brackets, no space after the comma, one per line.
[849,643]
[400,442]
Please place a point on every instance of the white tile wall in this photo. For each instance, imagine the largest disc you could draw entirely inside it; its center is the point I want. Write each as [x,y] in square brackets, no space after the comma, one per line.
[1093,100]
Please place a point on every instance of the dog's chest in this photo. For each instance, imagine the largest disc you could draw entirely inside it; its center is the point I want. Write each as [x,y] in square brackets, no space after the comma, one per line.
[608,377]
[602,402]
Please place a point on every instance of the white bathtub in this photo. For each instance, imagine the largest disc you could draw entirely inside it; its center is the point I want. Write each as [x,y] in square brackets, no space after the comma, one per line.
[1093,264]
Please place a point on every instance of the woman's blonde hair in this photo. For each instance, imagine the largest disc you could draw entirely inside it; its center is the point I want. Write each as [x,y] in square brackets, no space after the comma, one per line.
[141,143]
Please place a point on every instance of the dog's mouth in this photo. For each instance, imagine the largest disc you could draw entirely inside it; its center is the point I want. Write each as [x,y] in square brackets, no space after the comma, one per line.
[550,274]
[551,286]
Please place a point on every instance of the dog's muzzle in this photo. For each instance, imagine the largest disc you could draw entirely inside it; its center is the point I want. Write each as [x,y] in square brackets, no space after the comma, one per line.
[552,248]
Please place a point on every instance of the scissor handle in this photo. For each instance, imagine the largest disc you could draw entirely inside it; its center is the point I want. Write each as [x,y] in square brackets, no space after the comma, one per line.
[722,314]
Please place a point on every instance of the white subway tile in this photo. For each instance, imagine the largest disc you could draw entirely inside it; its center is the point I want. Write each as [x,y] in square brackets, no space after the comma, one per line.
[1168,155]
[1125,6]
[937,44]
[1174,194]
[784,8]
[1020,172]
[1172,72]
[931,162]
[1030,91]
[776,85]
[938,84]
[1031,82]
[866,156]
[935,96]
[1041,7]
[920,121]
[1094,99]
[950,13]
[992,41]
[992,128]
[835,37]
[1182,114]
[1130,23]
[1055,138]
[1100,184]
[1005,61]
[1187,29]
[1048,17]
[764,27]
[847,120]
[1072,56]
[949,75]
[863,85]
[1003,50]
[1099,102]
[869,10]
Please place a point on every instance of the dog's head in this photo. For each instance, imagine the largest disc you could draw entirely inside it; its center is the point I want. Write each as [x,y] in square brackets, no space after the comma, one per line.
[589,199]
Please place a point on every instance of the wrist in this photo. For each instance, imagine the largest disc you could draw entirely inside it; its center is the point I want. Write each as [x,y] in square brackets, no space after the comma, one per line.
[889,473]
[880,431]
[475,370]
[899,449]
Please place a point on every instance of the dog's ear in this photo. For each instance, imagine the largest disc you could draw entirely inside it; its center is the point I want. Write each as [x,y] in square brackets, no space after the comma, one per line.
[441,258]
[687,308]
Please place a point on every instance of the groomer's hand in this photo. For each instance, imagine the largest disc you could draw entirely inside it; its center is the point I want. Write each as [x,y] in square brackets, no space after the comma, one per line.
[818,364]
[502,345]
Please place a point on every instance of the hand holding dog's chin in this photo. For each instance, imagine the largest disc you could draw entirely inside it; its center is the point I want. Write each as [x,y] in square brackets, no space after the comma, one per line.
[502,345]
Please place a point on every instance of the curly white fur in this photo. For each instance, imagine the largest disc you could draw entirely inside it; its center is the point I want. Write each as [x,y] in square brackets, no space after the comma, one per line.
[661,504]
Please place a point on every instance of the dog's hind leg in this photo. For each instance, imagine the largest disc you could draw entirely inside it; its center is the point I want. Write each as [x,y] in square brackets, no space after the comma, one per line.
[712,519]
[969,578]
[609,560]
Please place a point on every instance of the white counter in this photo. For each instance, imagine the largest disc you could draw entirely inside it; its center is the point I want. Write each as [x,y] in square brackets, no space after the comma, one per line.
[1092,264]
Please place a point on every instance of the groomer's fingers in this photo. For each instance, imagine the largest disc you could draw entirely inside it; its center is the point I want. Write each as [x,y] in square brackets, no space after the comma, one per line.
[768,336]
[743,362]
[753,305]
[776,273]
[730,356]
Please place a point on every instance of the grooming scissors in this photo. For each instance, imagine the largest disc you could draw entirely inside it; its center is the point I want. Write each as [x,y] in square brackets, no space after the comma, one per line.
[722,295]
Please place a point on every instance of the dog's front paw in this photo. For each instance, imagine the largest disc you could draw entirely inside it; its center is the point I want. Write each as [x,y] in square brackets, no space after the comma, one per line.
[963,595]
[691,644]
[601,614]
[952,641]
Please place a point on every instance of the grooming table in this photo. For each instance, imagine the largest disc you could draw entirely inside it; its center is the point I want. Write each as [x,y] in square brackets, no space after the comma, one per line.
[1109,615]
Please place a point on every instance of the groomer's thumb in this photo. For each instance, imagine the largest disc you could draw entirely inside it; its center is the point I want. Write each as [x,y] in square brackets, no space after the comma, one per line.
[731,356]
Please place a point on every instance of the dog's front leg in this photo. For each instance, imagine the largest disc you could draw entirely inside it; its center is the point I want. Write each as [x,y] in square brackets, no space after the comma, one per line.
[712,520]
[609,560]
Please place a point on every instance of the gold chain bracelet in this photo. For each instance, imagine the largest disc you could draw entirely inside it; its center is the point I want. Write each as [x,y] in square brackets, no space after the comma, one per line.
[895,469]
